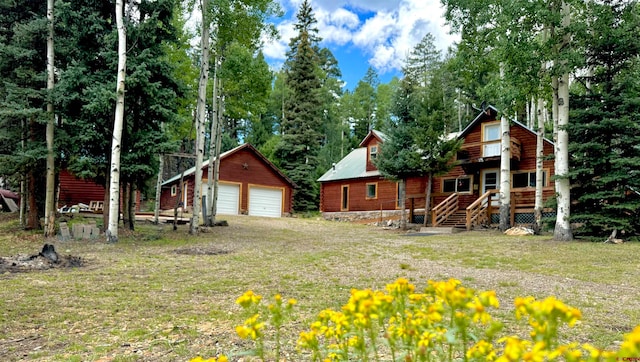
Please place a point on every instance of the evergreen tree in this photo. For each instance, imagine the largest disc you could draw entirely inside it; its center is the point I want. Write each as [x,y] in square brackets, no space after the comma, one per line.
[22,66]
[384,103]
[425,93]
[365,99]
[155,90]
[302,123]
[605,126]
[333,125]
[400,157]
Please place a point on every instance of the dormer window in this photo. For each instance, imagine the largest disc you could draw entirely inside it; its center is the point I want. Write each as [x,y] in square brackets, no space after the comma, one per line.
[373,152]
[491,140]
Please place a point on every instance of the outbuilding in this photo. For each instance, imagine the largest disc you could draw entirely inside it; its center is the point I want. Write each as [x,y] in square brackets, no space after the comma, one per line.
[248,184]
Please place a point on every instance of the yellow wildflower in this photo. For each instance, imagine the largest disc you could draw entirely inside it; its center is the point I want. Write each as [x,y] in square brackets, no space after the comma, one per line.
[513,349]
[200,359]
[248,298]
[482,350]
[631,344]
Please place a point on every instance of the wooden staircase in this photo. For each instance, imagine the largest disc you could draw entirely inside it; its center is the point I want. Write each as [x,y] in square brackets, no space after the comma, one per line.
[448,214]
[456,220]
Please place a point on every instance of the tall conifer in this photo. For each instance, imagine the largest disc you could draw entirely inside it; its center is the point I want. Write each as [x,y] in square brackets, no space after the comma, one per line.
[302,123]
[605,126]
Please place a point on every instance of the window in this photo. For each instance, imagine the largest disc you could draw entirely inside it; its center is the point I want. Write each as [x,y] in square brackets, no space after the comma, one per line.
[491,139]
[372,191]
[527,179]
[174,190]
[460,184]
[398,201]
[345,198]
[373,152]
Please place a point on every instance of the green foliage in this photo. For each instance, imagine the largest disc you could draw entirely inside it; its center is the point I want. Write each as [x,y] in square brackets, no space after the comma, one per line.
[365,100]
[301,126]
[246,81]
[606,128]
[399,156]
[22,95]
[85,91]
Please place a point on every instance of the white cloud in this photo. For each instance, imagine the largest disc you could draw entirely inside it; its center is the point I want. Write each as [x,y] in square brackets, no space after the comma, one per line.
[389,32]
[336,27]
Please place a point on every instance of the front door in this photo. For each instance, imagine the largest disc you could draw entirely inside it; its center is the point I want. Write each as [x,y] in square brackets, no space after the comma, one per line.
[491,181]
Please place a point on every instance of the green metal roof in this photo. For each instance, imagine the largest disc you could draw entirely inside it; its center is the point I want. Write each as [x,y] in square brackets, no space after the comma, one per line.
[354,165]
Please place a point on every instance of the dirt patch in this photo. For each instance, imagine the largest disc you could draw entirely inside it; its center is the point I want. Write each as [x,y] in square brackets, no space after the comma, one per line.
[201,251]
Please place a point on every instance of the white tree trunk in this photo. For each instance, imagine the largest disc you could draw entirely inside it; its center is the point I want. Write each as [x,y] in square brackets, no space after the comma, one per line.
[216,169]
[537,225]
[563,227]
[114,180]
[49,203]
[200,120]
[156,209]
[505,175]
[212,147]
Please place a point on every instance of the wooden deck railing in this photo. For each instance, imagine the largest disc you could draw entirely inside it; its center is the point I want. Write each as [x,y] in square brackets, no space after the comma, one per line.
[443,210]
[480,211]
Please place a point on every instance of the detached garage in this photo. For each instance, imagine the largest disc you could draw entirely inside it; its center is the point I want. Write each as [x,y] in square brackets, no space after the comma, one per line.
[249,184]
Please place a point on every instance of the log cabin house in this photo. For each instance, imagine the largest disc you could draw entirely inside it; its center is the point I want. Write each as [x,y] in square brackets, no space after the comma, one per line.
[465,197]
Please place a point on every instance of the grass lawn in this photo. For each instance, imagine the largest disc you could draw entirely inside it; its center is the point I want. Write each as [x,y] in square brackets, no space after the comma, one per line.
[163,295]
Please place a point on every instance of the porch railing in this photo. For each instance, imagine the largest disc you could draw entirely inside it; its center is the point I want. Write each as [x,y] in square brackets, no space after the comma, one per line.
[480,210]
[443,210]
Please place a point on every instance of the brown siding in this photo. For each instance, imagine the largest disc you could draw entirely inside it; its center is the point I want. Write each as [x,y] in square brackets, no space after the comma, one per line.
[74,190]
[331,194]
[527,162]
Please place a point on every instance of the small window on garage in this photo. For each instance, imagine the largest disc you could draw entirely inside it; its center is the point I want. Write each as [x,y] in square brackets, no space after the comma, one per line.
[174,190]
[372,190]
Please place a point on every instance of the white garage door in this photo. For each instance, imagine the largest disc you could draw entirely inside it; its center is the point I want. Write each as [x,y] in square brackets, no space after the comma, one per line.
[265,202]
[228,199]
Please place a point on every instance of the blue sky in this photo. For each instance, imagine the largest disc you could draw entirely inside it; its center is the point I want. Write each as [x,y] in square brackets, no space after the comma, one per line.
[363,33]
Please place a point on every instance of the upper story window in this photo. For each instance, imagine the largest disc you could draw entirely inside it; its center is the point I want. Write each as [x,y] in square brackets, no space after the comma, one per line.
[373,152]
[491,140]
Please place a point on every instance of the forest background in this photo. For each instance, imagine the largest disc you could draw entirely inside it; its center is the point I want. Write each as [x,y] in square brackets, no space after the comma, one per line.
[529,59]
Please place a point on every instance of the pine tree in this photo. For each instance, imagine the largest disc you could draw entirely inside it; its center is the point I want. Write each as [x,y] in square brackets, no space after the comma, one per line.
[399,157]
[22,66]
[334,128]
[155,87]
[365,99]
[424,90]
[605,125]
[302,123]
